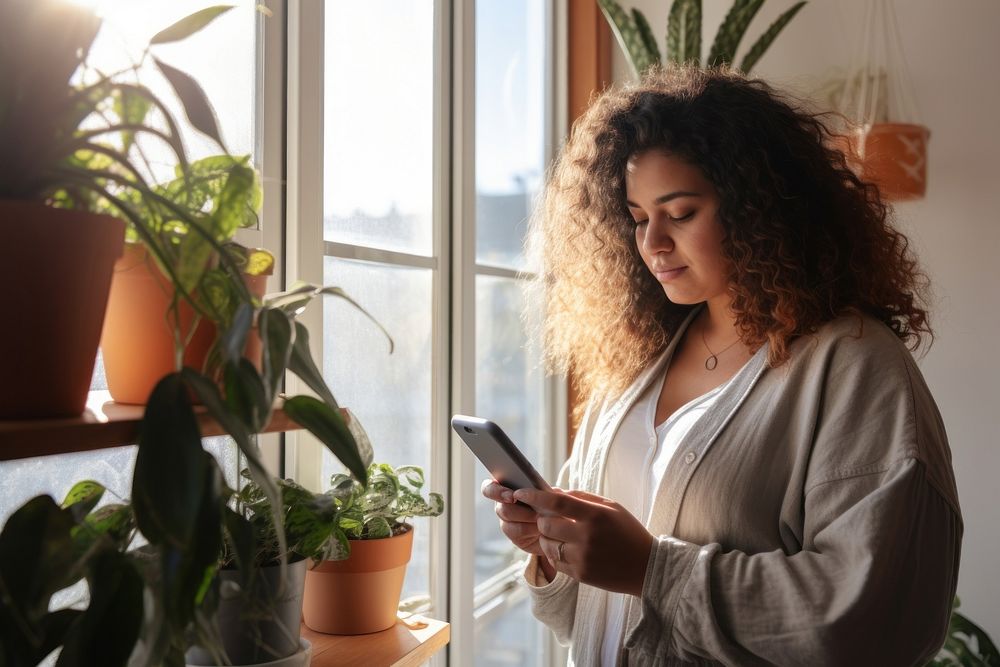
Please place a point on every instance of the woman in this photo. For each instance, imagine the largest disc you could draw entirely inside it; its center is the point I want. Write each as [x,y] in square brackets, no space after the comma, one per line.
[761,475]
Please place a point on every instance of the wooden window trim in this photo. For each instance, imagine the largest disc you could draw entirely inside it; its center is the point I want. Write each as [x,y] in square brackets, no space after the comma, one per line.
[589,71]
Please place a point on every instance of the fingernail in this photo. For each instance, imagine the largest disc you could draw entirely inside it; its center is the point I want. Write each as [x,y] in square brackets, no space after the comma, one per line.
[508,496]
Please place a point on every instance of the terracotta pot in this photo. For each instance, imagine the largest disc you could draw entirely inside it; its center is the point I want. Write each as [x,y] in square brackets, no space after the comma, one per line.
[56,267]
[891,155]
[361,594]
[137,342]
[260,627]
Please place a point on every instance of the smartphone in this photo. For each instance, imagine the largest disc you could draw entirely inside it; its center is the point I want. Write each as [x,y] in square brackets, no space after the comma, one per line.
[498,453]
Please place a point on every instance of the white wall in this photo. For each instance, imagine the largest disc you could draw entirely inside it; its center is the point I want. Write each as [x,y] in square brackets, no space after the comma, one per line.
[953,58]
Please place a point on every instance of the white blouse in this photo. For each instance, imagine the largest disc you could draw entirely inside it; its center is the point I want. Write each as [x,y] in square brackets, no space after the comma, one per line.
[639,446]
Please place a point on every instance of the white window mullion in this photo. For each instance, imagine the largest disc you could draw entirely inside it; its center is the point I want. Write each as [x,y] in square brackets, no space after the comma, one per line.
[440,582]
[304,209]
[463,308]
[269,124]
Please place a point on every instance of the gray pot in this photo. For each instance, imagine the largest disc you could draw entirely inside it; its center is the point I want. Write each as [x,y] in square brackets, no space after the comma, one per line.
[262,626]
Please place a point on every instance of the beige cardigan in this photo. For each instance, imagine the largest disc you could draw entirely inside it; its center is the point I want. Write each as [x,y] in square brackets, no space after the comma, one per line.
[809,518]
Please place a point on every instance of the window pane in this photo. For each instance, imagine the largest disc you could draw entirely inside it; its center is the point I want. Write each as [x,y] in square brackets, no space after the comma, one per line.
[511,41]
[514,638]
[390,394]
[509,391]
[378,124]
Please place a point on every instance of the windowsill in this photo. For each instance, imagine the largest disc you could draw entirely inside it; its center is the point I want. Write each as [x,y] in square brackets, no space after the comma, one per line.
[104,424]
[399,646]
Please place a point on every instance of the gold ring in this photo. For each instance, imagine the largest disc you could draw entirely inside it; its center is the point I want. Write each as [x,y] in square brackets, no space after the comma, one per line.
[559,552]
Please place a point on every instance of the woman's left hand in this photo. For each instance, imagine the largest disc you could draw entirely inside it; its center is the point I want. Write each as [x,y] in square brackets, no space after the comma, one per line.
[590,538]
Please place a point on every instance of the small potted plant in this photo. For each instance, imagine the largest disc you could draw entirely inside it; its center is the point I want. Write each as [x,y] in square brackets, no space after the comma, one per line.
[258,611]
[361,544]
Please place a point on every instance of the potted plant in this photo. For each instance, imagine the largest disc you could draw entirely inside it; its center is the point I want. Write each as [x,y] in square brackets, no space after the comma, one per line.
[258,611]
[358,537]
[683,42]
[155,325]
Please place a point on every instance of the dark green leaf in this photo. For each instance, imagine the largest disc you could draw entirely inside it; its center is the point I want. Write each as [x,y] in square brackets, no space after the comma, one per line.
[734,26]
[212,400]
[764,41]
[167,505]
[276,337]
[241,540]
[325,423]
[684,32]
[627,34]
[187,568]
[56,626]
[245,394]
[234,339]
[36,557]
[82,498]
[646,34]
[107,631]
[194,101]
[189,25]
[301,363]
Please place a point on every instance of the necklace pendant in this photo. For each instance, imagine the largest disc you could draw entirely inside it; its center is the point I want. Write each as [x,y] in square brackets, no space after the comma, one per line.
[711,363]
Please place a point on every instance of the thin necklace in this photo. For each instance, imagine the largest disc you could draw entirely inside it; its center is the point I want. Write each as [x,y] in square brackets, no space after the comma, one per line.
[713,357]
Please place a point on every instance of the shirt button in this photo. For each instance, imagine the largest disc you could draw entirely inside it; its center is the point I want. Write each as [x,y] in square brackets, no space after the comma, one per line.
[689,457]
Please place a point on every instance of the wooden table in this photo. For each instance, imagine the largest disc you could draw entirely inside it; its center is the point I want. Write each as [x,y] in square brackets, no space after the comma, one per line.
[399,646]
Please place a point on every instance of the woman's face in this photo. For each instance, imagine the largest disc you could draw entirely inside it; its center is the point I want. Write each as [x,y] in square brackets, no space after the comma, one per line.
[677,228]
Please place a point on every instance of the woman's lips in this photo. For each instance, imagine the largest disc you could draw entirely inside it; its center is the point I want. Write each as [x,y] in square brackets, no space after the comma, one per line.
[666,275]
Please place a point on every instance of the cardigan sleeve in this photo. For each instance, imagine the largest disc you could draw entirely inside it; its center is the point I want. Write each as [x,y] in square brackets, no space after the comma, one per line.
[554,602]
[881,536]
[875,589]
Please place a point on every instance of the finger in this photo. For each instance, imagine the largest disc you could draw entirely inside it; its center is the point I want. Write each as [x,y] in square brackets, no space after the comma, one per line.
[497,492]
[517,513]
[551,550]
[592,497]
[557,528]
[519,533]
[559,503]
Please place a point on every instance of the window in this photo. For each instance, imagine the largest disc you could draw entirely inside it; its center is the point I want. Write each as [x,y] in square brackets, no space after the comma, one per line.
[437,121]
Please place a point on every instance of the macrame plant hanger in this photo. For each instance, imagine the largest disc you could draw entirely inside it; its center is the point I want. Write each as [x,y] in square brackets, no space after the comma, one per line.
[888,143]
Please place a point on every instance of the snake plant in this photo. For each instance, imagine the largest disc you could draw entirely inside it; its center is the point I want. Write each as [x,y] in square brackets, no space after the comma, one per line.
[683,41]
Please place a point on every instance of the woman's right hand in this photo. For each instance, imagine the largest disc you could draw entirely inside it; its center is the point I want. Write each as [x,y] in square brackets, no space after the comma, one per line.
[517,521]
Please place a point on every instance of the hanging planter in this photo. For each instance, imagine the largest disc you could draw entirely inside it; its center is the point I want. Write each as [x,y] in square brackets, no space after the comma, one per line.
[886,142]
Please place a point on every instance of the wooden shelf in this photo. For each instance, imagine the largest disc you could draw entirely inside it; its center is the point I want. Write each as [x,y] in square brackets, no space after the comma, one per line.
[399,646]
[104,424]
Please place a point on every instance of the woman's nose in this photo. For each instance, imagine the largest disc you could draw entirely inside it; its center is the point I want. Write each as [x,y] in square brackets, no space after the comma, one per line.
[658,237]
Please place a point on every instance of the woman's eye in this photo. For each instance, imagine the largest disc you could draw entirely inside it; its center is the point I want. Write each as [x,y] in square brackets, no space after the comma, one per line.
[687,216]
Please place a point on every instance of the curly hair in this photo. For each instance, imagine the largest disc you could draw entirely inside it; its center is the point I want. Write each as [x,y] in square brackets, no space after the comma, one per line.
[805,238]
